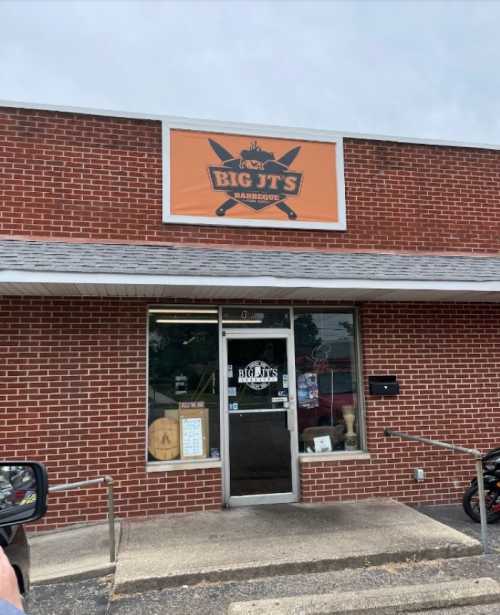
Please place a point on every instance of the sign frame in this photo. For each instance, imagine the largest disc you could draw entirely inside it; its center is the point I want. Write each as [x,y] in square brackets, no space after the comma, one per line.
[250,130]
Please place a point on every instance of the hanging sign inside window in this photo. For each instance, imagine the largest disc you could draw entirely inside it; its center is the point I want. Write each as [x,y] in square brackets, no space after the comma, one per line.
[257,375]
[254,178]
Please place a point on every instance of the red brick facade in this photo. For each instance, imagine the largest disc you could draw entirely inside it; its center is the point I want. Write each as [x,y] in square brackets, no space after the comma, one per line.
[89,177]
[73,375]
[447,359]
[73,371]
[74,396]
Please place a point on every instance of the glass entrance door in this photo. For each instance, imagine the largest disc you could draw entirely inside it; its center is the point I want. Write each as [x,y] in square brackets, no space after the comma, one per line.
[260,420]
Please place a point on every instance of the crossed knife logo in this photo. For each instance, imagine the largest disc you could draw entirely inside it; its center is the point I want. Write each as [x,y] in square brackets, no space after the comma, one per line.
[255,178]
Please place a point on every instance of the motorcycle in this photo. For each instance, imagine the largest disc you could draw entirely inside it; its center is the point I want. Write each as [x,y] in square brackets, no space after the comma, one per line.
[491,479]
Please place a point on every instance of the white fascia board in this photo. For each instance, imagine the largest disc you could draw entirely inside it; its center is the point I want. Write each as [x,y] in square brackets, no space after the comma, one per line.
[42,277]
[223,126]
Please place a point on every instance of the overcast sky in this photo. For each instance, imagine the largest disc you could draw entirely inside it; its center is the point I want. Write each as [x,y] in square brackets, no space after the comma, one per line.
[420,69]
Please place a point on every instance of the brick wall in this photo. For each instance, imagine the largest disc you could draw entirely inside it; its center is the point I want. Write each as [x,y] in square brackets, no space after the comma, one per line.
[73,370]
[73,396]
[88,177]
[74,385]
[447,360]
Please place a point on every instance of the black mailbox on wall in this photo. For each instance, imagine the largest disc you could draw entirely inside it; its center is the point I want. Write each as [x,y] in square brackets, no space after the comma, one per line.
[383,385]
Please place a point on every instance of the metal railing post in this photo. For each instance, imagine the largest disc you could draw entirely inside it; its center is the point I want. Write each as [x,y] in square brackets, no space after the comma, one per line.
[111,519]
[108,480]
[478,460]
[482,504]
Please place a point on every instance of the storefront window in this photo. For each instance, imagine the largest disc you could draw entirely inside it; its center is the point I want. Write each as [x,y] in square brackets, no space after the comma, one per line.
[327,402]
[183,416]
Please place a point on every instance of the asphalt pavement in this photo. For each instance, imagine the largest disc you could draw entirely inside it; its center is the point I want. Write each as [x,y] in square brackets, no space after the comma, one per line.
[91,597]
[95,596]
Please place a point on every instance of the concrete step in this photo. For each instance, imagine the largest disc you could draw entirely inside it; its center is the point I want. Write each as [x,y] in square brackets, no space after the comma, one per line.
[383,601]
[280,539]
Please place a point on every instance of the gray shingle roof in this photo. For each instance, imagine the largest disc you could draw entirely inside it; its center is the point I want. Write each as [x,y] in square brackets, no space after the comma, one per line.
[194,261]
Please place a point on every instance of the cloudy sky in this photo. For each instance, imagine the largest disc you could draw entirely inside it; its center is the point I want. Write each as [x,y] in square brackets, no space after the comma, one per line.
[419,69]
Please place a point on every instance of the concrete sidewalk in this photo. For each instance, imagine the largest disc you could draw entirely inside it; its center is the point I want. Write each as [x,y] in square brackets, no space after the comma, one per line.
[245,543]
[453,515]
[259,541]
[71,554]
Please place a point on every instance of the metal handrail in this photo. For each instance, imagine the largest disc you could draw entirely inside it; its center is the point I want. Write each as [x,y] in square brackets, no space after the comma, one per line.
[111,507]
[478,458]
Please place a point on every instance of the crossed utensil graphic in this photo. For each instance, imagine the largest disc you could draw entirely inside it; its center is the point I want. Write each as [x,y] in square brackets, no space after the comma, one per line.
[269,165]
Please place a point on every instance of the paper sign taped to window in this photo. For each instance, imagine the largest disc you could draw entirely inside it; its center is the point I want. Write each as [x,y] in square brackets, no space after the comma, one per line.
[192,437]
[193,423]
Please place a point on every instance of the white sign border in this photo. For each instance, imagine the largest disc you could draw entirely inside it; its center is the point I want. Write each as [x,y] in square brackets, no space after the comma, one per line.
[252,131]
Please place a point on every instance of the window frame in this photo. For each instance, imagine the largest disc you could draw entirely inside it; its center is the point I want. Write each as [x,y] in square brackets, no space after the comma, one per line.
[174,465]
[180,464]
[362,452]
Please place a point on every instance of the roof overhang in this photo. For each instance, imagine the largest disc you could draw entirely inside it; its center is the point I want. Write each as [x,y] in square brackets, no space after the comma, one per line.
[34,267]
[41,283]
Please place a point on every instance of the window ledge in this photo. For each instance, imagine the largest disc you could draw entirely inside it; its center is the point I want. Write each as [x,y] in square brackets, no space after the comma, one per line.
[335,456]
[173,466]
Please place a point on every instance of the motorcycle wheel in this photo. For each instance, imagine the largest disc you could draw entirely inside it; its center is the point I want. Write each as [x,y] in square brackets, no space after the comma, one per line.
[471,504]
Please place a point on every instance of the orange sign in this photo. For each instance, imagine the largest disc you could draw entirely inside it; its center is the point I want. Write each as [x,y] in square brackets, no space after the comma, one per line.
[229,179]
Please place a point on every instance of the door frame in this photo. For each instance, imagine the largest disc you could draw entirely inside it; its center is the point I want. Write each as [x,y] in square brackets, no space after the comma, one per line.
[271,498]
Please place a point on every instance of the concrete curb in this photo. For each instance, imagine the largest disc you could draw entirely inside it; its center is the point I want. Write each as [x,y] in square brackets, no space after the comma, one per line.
[94,573]
[266,569]
[384,601]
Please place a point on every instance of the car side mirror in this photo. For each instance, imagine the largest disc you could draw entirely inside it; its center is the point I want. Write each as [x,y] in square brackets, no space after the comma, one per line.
[23,492]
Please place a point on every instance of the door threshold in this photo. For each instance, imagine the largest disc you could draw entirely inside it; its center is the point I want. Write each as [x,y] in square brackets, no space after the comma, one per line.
[255,500]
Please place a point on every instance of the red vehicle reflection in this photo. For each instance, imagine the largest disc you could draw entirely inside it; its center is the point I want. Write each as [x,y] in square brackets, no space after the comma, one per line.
[323,407]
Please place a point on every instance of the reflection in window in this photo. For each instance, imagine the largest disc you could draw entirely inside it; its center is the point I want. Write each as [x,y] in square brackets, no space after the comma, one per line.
[325,360]
[183,373]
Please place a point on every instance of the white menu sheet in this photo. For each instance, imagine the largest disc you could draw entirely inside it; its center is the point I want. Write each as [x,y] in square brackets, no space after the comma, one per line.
[192,437]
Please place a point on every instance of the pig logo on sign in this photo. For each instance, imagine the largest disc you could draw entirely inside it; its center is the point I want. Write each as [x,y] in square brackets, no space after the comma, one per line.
[255,178]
